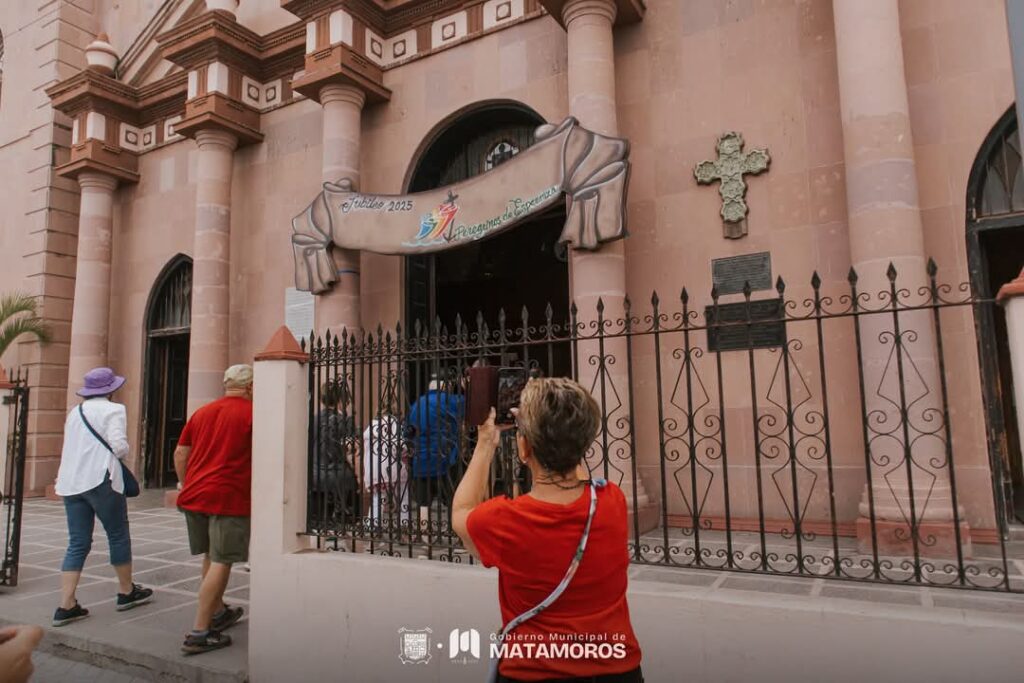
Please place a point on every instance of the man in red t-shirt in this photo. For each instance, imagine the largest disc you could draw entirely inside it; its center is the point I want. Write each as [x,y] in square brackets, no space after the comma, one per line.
[214,461]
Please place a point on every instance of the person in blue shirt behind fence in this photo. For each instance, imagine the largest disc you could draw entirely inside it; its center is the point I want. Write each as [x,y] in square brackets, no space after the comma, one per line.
[434,425]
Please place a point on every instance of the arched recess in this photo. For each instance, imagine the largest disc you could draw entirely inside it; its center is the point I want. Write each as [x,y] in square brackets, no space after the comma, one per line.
[165,370]
[521,267]
[995,247]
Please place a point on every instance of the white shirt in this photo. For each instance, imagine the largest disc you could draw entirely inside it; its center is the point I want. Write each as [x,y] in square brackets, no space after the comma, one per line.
[84,461]
[382,451]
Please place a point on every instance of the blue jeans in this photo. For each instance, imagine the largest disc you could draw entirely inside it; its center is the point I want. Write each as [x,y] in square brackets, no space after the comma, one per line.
[82,510]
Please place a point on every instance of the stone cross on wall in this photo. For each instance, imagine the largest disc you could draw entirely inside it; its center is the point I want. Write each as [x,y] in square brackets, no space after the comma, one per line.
[729,169]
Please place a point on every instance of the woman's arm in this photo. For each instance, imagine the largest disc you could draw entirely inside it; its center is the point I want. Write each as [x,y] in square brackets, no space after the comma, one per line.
[117,432]
[473,488]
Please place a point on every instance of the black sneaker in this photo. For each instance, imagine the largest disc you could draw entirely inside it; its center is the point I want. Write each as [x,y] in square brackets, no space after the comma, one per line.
[63,617]
[228,618]
[138,596]
[213,640]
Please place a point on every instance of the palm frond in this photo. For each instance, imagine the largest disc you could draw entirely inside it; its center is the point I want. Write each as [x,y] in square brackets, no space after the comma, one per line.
[16,327]
[16,303]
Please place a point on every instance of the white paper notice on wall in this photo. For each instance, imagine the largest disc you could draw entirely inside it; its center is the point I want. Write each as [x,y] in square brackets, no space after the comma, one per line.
[299,312]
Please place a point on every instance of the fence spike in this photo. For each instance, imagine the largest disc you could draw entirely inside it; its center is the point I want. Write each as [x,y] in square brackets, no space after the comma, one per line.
[746,288]
[932,267]
[816,280]
[684,296]
[714,293]
[890,272]
[654,298]
[780,285]
[600,305]
[852,276]
[549,312]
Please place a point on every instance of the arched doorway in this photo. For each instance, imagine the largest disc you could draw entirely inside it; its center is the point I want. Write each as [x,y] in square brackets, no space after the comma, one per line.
[168,321]
[521,267]
[995,246]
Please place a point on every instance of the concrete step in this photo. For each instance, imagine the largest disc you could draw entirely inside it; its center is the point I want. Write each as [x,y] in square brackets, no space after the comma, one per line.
[1016,532]
[127,657]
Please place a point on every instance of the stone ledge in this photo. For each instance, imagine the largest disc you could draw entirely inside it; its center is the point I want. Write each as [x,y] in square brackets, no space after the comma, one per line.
[67,644]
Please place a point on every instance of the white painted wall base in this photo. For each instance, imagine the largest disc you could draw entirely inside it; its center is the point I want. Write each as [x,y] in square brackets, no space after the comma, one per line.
[336,616]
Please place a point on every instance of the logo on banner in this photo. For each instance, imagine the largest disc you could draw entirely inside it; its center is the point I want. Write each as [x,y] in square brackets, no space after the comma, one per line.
[464,646]
[435,224]
[414,645]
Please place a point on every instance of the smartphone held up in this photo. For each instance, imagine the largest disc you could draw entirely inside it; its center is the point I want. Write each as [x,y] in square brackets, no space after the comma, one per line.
[494,387]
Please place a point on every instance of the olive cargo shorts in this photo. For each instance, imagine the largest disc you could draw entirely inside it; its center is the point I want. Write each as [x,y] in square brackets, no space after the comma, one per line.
[224,537]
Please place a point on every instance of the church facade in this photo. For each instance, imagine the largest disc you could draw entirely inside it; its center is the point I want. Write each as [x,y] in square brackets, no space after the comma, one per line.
[159,154]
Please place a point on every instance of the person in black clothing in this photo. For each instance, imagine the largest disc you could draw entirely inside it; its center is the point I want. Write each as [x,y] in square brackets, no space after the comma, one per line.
[335,484]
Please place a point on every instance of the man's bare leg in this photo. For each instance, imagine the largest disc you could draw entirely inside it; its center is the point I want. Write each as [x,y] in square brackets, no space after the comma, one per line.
[211,593]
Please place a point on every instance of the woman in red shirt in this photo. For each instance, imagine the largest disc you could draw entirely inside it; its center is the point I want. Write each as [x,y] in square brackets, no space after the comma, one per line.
[584,634]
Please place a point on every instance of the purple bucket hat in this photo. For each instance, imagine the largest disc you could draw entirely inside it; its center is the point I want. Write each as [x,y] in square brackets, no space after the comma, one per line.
[100,382]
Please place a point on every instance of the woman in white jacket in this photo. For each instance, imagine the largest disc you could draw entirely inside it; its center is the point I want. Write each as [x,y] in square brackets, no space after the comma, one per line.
[91,482]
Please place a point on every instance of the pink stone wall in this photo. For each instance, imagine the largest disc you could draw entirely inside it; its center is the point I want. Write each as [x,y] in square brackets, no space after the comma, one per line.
[689,72]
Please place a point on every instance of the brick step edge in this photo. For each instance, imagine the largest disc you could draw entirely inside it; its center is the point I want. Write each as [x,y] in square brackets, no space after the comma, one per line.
[111,657]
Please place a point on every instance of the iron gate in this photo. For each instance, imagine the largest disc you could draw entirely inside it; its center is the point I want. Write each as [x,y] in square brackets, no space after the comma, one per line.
[15,401]
[826,429]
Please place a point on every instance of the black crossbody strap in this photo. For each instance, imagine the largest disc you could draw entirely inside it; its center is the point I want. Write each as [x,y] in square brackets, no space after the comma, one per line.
[81,411]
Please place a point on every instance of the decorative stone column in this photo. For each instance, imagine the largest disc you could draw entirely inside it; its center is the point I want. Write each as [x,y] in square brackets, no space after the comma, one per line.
[90,315]
[343,106]
[211,266]
[1011,296]
[885,228]
[601,276]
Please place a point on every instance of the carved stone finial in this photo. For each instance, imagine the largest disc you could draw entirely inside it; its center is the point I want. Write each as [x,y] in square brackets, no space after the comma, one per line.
[229,6]
[100,55]
[730,167]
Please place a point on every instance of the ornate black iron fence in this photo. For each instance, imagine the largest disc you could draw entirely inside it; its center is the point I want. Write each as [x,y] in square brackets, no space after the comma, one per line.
[826,432]
[15,400]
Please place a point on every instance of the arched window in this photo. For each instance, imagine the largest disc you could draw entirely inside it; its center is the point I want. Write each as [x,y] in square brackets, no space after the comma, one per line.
[171,310]
[168,323]
[1000,189]
[475,144]
[524,267]
[995,241]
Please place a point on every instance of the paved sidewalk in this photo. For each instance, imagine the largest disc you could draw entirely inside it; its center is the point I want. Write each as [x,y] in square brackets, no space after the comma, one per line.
[142,643]
[51,669]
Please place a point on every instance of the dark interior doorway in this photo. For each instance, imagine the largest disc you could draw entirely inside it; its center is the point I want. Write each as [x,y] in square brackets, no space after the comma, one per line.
[521,267]
[995,243]
[168,321]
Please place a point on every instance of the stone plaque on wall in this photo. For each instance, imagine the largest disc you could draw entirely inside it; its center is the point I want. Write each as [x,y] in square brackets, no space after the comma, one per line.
[299,313]
[729,274]
[762,327]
